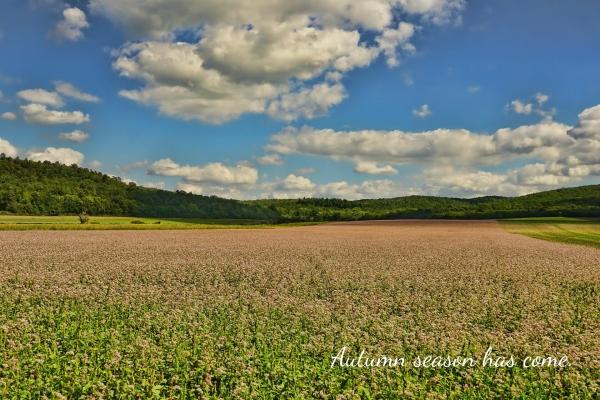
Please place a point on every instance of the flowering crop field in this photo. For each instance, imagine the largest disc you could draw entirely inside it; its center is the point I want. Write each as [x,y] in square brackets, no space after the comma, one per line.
[263,313]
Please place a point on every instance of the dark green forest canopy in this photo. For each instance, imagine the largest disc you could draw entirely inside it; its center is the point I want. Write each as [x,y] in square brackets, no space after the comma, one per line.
[44,188]
[581,201]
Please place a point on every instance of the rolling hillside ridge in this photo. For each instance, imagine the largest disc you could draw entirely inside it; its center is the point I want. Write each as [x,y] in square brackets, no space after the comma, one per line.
[44,188]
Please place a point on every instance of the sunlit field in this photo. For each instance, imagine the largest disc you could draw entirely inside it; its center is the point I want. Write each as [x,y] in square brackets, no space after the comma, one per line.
[260,313]
[18,222]
[568,230]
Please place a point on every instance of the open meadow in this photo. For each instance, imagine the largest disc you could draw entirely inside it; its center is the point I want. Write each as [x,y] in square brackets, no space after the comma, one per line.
[261,313]
[72,222]
[559,229]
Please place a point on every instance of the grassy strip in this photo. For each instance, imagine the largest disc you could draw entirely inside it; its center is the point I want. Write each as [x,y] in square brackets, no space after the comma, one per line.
[26,223]
[566,230]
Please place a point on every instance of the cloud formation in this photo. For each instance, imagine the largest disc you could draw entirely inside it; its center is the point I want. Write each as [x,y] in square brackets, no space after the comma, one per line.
[535,106]
[7,149]
[40,114]
[68,90]
[153,185]
[270,159]
[295,182]
[63,155]
[294,186]
[241,182]
[588,126]
[521,108]
[216,173]
[422,112]
[369,167]
[159,18]
[41,96]
[77,136]
[72,25]
[450,146]
[280,58]
[37,111]
[462,162]
[455,162]
[9,116]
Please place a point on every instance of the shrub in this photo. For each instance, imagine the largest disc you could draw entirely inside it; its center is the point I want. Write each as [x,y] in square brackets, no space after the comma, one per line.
[84,218]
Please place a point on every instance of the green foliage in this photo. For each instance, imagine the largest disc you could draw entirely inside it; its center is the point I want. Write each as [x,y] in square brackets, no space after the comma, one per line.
[44,188]
[566,230]
[576,202]
[84,218]
[68,222]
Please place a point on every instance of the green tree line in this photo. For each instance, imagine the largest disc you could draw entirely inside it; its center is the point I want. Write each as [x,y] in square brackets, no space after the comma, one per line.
[45,188]
[581,201]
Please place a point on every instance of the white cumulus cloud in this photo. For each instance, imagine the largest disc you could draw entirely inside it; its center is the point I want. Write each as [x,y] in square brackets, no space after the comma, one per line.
[461,162]
[77,136]
[309,103]
[72,25]
[41,96]
[285,59]
[270,159]
[534,106]
[521,108]
[68,90]
[541,98]
[218,173]
[589,124]
[40,114]
[153,185]
[297,187]
[9,116]
[422,112]
[449,146]
[7,149]
[391,39]
[369,167]
[295,182]
[63,155]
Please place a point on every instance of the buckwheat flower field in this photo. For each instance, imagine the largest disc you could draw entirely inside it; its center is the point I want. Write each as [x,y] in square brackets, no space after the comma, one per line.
[262,313]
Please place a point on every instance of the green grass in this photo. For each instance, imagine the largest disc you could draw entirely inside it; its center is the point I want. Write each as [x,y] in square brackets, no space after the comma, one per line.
[557,229]
[27,222]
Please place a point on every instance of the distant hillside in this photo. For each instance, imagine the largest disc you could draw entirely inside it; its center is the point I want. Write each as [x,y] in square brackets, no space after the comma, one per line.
[44,188]
[582,201]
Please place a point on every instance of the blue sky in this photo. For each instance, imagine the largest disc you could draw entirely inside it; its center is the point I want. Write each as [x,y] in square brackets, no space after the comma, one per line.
[396,98]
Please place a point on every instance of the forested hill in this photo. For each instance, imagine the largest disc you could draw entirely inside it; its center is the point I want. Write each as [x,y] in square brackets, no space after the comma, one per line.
[44,188]
[581,201]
